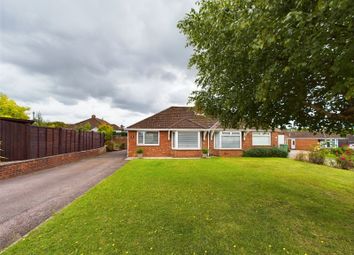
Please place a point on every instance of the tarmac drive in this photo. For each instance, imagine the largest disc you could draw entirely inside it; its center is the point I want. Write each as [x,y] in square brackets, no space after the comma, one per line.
[26,201]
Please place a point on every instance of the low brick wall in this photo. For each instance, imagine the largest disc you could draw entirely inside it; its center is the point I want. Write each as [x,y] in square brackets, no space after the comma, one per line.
[15,168]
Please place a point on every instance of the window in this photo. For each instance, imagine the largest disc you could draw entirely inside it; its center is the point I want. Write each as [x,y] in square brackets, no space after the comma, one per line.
[186,140]
[261,139]
[148,138]
[227,140]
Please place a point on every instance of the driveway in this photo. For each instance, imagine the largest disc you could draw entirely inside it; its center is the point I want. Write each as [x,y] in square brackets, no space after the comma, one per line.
[28,200]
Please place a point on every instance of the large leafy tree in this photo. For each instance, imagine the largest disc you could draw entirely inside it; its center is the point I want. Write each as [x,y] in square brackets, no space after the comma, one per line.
[266,64]
[9,108]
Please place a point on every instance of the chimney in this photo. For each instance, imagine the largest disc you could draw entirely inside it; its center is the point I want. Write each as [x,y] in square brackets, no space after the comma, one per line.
[93,116]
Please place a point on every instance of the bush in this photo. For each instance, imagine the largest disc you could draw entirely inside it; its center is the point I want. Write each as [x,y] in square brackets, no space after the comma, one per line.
[122,146]
[139,151]
[317,157]
[301,156]
[345,162]
[205,151]
[109,145]
[266,152]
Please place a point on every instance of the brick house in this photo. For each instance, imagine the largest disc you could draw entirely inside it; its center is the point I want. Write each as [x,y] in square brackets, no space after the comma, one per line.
[181,132]
[303,140]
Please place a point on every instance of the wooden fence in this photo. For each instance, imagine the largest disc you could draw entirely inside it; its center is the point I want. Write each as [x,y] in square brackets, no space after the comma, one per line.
[21,141]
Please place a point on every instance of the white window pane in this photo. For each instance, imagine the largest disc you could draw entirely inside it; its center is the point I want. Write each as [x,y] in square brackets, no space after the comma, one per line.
[173,140]
[230,142]
[261,138]
[140,137]
[151,137]
[188,140]
[217,140]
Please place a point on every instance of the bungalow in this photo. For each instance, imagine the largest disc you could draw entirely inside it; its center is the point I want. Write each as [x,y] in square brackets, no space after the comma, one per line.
[181,132]
[304,140]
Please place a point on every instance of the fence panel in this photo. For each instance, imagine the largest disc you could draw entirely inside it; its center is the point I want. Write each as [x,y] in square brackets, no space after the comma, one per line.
[21,141]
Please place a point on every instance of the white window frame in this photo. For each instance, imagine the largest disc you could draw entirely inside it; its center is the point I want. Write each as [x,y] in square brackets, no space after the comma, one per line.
[184,149]
[230,133]
[255,134]
[146,144]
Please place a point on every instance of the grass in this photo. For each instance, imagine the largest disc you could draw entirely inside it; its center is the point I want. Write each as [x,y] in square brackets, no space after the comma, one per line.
[212,206]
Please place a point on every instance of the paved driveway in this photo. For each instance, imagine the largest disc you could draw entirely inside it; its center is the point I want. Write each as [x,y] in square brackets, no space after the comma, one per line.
[28,200]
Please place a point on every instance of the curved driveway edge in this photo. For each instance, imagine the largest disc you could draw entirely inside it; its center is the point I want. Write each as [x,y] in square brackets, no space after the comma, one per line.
[26,201]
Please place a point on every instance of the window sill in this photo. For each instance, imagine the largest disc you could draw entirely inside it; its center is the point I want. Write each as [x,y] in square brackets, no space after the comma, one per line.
[186,149]
[148,145]
[228,149]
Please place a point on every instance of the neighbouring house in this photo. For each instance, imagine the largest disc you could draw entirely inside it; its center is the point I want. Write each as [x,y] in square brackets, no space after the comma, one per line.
[95,123]
[303,140]
[181,132]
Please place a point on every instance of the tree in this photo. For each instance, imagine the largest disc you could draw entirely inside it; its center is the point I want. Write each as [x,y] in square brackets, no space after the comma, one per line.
[266,64]
[38,120]
[107,130]
[85,127]
[10,109]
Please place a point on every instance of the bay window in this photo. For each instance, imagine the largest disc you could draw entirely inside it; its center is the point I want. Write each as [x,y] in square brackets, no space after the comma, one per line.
[148,138]
[227,140]
[261,139]
[186,140]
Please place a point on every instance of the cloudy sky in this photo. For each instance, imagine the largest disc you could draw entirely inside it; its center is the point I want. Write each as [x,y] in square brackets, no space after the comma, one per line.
[121,60]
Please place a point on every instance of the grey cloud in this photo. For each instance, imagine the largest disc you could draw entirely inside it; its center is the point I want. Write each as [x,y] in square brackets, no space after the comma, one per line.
[125,52]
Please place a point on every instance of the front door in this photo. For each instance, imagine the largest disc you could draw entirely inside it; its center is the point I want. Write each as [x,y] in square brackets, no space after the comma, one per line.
[293,144]
[281,140]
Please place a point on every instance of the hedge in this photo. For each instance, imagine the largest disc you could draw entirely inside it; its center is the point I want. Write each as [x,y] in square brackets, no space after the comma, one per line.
[266,152]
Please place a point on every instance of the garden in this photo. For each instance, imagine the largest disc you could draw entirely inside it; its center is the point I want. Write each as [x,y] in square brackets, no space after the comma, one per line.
[340,157]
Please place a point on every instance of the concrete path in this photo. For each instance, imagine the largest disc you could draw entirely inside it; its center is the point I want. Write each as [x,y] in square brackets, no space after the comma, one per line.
[28,200]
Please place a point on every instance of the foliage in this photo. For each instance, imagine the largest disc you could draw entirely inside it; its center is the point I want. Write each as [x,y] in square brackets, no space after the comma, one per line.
[205,151]
[317,157]
[107,130]
[301,156]
[40,122]
[345,162]
[109,145]
[57,124]
[264,206]
[10,109]
[266,152]
[267,63]
[345,158]
[139,151]
[84,127]
[122,146]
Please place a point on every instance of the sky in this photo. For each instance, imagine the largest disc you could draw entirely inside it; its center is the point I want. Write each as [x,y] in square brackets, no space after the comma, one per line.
[120,60]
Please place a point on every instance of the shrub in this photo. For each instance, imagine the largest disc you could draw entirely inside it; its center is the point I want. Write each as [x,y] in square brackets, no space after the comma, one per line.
[301,156]
[345,162]
[109,145]
[266,152]
[205,151]
[139,151]
[317,157]
[122,146]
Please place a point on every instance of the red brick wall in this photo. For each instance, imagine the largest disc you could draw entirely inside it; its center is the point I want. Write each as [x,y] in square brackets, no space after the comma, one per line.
[165,148]
[15,168]
[304,144]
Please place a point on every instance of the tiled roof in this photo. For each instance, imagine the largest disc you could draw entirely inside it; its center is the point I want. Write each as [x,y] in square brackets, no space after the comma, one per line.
[306,134]
[179,117]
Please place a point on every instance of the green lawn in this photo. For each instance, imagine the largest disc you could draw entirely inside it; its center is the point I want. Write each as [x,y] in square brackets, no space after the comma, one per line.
[212,206]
